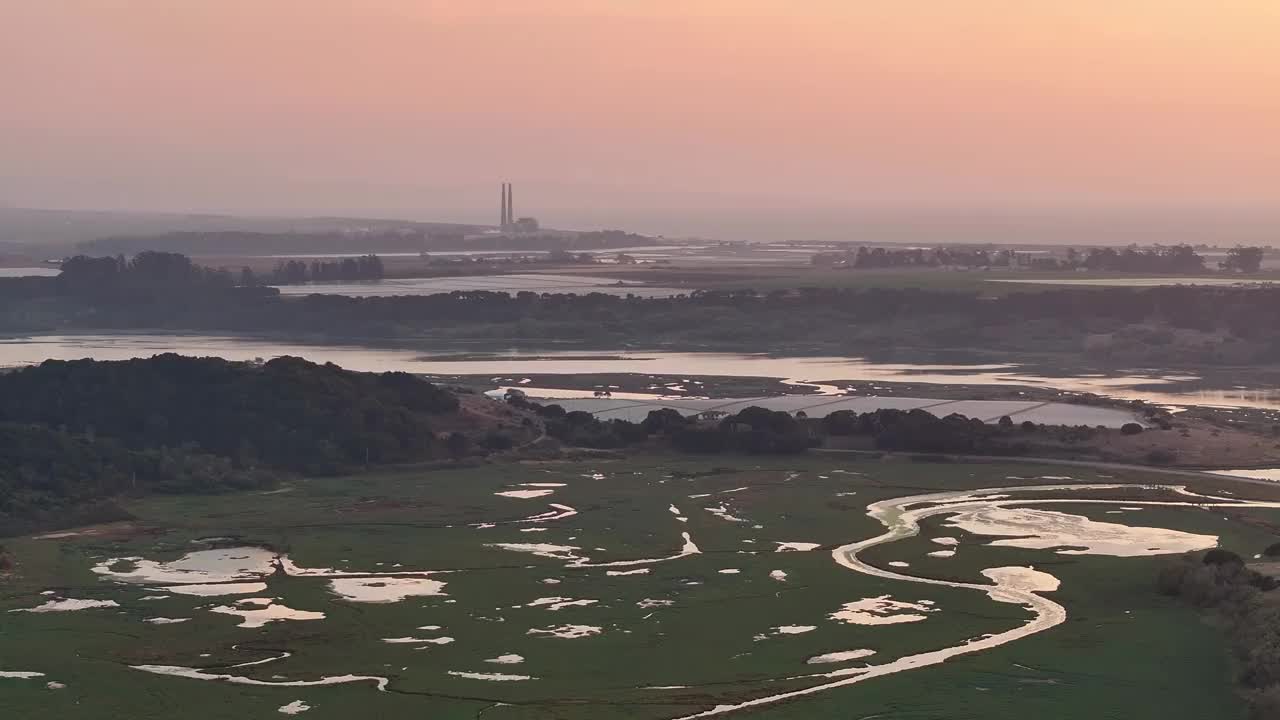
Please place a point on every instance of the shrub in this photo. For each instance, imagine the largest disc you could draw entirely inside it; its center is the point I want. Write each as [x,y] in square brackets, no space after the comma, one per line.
[495,440]
[1219,556]
[458,444]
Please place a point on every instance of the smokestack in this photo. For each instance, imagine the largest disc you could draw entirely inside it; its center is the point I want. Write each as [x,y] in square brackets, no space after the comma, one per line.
[511,206]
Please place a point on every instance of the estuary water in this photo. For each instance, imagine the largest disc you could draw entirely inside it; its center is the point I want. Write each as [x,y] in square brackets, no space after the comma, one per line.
[1151,385]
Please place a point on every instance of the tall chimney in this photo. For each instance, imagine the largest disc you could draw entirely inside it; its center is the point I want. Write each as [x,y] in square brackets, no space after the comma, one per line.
[510,214]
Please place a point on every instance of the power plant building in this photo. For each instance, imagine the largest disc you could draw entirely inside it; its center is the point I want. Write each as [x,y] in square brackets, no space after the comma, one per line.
[509,222]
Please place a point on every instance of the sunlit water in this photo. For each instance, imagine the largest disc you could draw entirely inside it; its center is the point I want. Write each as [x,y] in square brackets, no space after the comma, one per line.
[1134,282]
[1272,474]
[505,365]
[561,284]
[11,272]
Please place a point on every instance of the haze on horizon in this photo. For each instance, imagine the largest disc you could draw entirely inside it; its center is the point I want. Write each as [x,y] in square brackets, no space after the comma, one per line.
[696,117]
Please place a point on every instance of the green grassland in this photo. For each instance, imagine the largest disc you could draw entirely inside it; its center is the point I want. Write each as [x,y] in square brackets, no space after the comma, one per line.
[1123,652]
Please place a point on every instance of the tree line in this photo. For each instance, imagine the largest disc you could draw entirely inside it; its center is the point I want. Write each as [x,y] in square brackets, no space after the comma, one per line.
[296,272]
[756,430]
[881,257]
[1174,259]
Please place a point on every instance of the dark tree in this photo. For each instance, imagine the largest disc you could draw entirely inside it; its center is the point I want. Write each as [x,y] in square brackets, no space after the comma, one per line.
[1243,259]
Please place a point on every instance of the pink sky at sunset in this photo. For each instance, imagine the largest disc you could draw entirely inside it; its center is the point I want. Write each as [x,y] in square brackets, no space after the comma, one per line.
[635,107]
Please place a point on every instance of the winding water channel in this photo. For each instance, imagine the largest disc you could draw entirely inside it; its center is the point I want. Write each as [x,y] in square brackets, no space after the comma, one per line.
[901,518]
[976,511]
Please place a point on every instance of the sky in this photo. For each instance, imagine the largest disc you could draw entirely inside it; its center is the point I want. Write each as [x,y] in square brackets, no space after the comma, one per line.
[663,115]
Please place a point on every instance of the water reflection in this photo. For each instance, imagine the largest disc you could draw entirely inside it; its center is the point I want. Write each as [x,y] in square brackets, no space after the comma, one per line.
[1151,385]
[515,283]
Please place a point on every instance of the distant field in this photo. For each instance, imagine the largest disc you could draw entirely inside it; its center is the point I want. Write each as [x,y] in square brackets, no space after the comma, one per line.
[679,639]
[993,283]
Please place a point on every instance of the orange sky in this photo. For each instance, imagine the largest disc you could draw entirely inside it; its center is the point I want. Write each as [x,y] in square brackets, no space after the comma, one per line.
[425,105]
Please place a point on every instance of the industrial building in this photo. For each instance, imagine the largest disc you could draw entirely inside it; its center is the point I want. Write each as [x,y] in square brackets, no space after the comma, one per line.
[509,222]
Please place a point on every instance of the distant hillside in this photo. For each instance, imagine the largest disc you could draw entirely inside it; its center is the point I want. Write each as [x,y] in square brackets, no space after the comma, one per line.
[423,237]
[66,228]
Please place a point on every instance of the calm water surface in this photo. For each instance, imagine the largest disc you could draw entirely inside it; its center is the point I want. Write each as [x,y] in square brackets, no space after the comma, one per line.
[1157,387]
[536,283]
[8,272]
[1135,282]
[1272,474]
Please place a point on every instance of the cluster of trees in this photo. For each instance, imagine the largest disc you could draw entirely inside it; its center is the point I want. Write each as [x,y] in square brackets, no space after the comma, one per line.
[757,430]
[582,429]
[866,258]
[146,272]
[1243,260]
[1166,259]
[754,430]
[1245,602]
[149,279]
[1171,259]
[286,414]
[1160,259]
[76,433]
[606,239]
[50,475]
[564,257]
[295,272]
[920,431]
